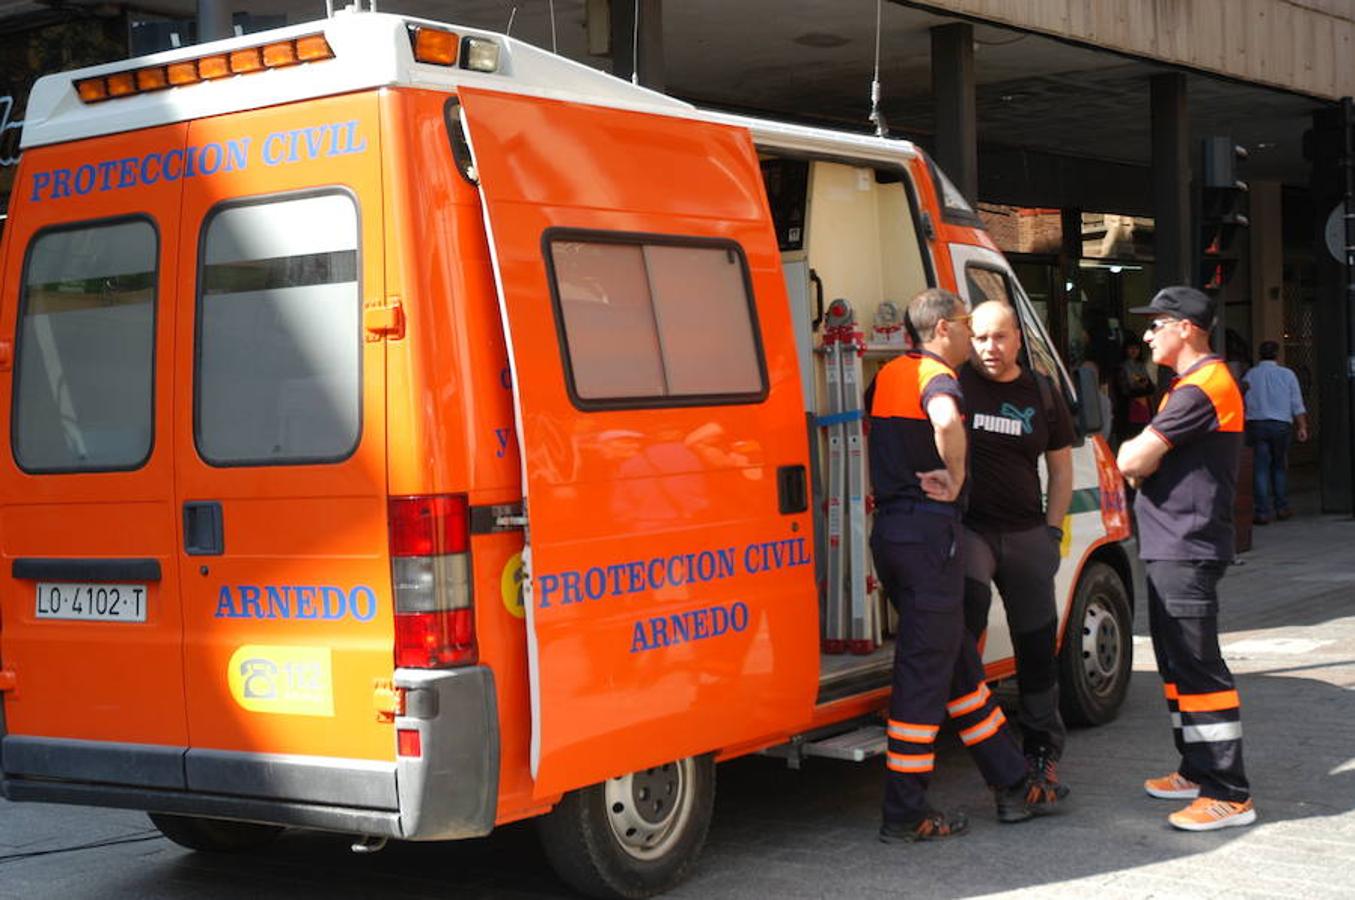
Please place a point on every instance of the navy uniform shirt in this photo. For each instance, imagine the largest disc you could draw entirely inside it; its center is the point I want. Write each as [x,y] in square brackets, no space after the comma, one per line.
[902,442]
[1185,508]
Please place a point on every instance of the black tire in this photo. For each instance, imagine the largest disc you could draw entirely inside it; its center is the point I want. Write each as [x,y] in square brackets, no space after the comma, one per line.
[634,836]
[214,835]
[1097,654]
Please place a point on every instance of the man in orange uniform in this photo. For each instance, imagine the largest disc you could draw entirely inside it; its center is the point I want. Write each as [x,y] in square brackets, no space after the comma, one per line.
[917,465]
[1185,465]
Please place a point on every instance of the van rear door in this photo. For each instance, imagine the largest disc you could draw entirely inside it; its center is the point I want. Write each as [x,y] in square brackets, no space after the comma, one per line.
[672,607]
[281,457]
[92,626]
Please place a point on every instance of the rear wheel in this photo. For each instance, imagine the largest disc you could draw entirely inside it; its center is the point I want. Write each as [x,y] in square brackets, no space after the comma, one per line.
[633,836]
[214,835]
[1097,648]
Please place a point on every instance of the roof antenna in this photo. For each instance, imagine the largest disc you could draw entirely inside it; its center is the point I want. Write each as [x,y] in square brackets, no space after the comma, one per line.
[877,117]
[508,32]
[553,47]
[635,45]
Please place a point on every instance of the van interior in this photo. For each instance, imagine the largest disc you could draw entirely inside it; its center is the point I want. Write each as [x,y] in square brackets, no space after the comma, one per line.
[845,232]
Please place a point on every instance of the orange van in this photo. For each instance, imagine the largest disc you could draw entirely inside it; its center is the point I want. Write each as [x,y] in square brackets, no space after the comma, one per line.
[412,431]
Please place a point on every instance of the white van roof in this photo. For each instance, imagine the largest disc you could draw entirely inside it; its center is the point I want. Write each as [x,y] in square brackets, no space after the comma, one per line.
[373,50]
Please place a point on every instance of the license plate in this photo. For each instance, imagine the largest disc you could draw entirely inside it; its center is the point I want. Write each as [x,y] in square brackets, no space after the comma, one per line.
[92,602]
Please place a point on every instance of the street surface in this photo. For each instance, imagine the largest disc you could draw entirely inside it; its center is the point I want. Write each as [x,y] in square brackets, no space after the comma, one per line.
[1289,623]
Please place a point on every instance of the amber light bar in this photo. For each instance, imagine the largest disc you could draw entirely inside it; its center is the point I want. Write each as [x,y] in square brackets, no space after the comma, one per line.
[436,46]
[440,47]
[273,55]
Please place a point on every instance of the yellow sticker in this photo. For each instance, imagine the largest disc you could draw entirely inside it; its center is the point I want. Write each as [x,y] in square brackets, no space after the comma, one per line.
[510,585]
[296,681]
[1067,541]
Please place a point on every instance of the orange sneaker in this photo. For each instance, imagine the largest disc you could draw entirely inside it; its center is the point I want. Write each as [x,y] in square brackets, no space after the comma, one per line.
[1207,814]
[1172,787]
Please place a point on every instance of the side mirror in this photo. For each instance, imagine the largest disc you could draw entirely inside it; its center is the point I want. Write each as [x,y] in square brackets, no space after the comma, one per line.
[1088,417]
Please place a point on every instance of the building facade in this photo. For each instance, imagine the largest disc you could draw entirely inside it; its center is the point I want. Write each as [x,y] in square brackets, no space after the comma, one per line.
[1078,127]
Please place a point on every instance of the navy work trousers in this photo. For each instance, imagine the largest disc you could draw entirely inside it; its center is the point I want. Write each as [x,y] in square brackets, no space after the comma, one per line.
[1201,696]
[937,670]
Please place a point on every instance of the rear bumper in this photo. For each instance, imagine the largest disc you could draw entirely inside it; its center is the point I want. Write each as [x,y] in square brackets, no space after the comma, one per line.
[449,791]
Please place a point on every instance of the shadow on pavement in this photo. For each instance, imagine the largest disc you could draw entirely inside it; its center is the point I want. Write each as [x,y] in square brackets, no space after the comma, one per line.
[812,833]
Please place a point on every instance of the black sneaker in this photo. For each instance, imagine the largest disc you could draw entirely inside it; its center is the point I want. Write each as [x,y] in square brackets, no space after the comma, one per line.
[932,827]
[1043,796]
[1011,802]
[1027,798]
[1044,768]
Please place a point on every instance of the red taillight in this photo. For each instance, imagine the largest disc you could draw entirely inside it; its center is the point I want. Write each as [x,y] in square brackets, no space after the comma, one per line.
[435,640]
[430,575]
[428,526]
[407,742]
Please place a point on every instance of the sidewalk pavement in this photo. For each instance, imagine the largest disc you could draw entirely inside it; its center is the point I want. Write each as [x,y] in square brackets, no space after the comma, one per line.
[1288,633]
[1288,627]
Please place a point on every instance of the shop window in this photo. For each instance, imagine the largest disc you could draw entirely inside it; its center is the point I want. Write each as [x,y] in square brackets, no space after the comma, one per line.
[1023,229]
[1116,236]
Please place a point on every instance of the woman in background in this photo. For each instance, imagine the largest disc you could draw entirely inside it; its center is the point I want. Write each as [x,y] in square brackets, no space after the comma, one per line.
[1134,390]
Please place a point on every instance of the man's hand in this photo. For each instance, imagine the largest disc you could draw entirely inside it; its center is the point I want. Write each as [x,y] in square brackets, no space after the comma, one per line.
[938,485]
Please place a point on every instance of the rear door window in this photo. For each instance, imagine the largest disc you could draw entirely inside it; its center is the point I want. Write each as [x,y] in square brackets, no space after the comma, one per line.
[649,323]
[278,336]
[84,386]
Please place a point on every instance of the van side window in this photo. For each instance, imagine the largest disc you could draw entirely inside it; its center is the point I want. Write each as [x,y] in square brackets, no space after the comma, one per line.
[84,376]
[1038,345]
[278,333]
[652,323]
[987,284]
[992,284]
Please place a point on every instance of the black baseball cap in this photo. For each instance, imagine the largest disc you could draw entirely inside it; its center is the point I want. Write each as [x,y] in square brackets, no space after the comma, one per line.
[1181,302]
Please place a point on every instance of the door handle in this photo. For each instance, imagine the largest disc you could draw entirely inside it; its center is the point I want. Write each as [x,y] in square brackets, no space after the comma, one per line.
[791,493]
[203,534]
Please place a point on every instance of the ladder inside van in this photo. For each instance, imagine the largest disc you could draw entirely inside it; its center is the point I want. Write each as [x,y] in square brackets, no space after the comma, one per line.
[852,619]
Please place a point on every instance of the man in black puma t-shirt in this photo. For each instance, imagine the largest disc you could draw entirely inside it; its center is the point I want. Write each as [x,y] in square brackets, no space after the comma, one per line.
[1012,539]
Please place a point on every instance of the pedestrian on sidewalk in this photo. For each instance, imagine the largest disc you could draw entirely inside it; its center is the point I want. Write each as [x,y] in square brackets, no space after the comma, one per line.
[1134,390]
[1185,466]
[1012,539]
[1275,415]
[917,466]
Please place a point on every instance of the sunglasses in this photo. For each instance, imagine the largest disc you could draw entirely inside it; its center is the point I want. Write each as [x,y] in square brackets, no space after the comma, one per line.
[1158,324]
[963,319]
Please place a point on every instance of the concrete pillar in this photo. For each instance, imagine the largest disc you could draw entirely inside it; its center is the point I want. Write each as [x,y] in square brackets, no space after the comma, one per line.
[1070,252]
[638,49]
[1171,181]
[1266,264]
[957,135]
[1333,389]
[214,20]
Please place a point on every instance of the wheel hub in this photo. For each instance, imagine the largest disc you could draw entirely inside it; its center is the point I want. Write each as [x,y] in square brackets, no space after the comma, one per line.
[647,810]
[1100,645]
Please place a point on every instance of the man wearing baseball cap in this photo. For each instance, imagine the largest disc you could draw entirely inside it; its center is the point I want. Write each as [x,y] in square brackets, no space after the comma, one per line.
[1185,467]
